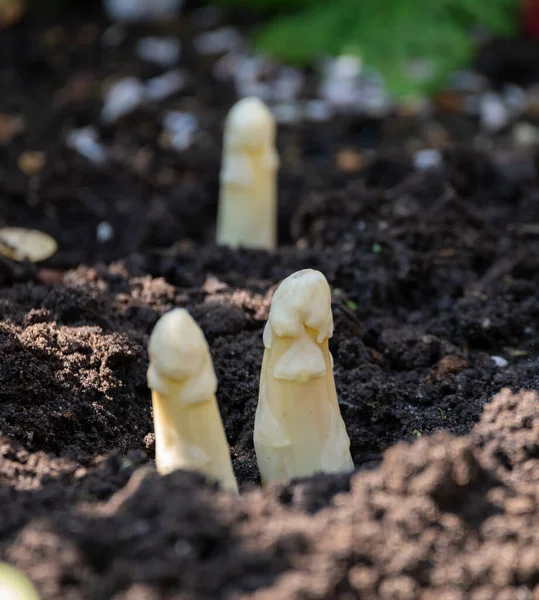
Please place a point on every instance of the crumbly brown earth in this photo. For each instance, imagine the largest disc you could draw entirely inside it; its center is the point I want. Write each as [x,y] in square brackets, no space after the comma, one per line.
[433,275]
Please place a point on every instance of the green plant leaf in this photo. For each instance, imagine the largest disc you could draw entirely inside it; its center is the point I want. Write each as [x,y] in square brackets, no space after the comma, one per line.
[388,34]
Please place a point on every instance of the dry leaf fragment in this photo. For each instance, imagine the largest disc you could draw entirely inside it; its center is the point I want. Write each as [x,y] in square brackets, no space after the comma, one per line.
[11,12]
[450,364]
[349,161]
[10,126]
[31,162]
[22,244]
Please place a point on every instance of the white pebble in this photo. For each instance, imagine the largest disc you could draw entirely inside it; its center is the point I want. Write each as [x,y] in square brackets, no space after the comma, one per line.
[224,39]
[493,112]
[346,66]
[318,111]
[500,362]
[164,52]
[182,126]
[340,82]
[287,113]
[342,94]
[249,68]
[176,121]
[86,142]
[526,135]
[131,11]
[427,159]
[121,98]
[287,85]
[163,86]
[104,232]
[374,101]
[182,140]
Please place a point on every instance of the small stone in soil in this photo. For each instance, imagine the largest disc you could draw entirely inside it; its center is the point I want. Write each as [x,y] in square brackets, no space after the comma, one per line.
[526,134]
[374,100]
[121,98]
[181,127]
[131,11]
[427,159]
[500,361]
[163,86]
[250,68]
[164,52]
[182,140]
[345,67]
[86,142]
[176,120]
[341,94]
[493,112]
[340,82]
[104,232]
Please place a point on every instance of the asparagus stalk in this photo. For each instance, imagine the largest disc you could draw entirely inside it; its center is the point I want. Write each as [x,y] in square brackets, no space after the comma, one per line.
[299,430]
[189,433]
[247,214]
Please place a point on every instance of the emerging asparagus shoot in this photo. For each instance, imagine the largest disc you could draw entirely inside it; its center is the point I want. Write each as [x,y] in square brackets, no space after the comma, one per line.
[299,430]
[14,585]
[189,433]
[248,197]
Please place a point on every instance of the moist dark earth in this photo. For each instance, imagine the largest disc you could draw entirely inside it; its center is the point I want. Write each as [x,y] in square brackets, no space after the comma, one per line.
[434,277]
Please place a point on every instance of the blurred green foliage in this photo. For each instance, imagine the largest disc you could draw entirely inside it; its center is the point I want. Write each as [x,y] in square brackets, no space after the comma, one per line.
[388,35]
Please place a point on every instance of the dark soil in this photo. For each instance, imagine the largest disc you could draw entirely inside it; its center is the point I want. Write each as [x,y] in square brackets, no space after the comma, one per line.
[433,273]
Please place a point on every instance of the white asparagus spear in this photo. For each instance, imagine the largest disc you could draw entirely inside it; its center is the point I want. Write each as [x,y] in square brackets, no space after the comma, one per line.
[14,585]
[299,430]
[247,214]
[189,433]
